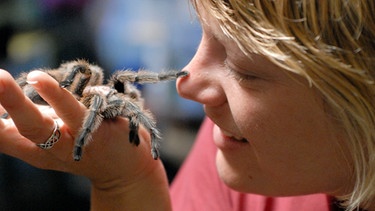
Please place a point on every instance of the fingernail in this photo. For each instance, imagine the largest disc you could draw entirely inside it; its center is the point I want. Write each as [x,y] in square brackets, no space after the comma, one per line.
[1,84]
[32,82]
[32,77]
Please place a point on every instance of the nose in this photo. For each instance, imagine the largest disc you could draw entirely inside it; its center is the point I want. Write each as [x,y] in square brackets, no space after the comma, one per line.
[204,83]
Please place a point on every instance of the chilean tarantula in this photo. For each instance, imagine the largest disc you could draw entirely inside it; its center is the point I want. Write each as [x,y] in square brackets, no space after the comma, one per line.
[119,97]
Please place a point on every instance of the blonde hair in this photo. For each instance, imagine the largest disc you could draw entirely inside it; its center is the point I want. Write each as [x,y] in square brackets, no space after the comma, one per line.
[330,43]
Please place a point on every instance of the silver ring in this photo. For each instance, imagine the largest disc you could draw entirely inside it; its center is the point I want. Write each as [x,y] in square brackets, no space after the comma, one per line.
[53,139]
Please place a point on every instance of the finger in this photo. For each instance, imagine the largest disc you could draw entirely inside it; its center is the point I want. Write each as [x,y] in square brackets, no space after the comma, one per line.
[15,145]
[3,112]
[63,102]
[2,124]
[28,126]
[26,116]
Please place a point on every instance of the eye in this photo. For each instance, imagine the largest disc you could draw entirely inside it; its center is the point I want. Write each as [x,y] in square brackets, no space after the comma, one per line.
[242,76]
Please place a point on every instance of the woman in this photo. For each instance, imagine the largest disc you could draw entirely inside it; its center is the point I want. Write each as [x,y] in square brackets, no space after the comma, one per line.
[288,88]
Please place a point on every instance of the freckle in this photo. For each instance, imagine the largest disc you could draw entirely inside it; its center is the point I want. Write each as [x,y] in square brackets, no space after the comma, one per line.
[250,177]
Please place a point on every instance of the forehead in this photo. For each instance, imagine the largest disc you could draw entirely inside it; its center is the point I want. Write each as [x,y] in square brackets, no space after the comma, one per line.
[204,11]
[217,17]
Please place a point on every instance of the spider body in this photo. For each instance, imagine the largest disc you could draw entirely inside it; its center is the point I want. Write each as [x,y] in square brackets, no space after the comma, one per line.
[73,75]
[118,97]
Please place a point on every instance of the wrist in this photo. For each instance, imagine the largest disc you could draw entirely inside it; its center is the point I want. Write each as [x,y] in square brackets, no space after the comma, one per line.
[149,191]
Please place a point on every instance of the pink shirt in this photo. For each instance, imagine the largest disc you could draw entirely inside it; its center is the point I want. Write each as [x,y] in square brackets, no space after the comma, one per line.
[197,186]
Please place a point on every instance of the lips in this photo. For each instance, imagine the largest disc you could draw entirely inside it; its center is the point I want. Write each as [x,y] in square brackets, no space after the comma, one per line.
[228,141]
[232,137]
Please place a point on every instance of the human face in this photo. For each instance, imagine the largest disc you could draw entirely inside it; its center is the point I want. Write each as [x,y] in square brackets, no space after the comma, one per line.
[272,132]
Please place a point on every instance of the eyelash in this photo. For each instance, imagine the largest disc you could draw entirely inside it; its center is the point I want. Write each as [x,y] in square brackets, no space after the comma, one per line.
[240,77]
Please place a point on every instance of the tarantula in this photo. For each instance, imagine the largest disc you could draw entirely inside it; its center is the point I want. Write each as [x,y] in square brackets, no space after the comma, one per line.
[118,97]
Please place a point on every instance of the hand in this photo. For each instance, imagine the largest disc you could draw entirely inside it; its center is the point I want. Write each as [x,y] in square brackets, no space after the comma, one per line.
[109,160]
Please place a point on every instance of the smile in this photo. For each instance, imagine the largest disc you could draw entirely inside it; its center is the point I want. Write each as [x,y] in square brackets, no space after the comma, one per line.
[233,137]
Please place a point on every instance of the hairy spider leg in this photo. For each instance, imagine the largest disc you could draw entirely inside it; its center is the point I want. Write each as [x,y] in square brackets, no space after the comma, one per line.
[133,133]
[143,77]
[155,137]
[137,116]
[115,107]
[171,75]
[83,80]
[91,122]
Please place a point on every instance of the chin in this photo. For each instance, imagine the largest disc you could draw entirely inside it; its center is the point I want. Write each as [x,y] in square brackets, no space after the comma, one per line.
[243,177]
[233,177]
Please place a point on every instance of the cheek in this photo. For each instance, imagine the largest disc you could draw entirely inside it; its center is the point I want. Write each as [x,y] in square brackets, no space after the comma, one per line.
[285,126]
[281,118]
[293,144]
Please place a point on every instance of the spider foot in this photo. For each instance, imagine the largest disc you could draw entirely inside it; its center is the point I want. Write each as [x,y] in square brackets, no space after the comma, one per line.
[77,153]
[155,138]
[155,153]
[133,137]
[133,133]
[64,84]
[183,73]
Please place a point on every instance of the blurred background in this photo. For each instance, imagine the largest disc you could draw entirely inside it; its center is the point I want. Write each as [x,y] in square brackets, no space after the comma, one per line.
[115,34]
